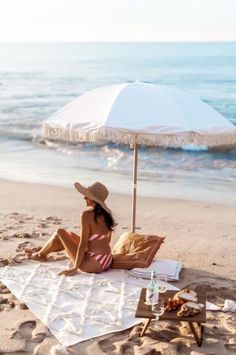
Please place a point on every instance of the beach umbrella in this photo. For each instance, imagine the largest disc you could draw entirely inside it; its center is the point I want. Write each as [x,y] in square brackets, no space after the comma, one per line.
[140,113]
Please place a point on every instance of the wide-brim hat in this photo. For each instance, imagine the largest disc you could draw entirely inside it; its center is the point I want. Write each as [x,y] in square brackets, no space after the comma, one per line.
[96,192]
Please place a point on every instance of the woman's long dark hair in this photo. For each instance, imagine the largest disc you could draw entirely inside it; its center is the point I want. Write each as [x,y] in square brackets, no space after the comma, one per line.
[108,219]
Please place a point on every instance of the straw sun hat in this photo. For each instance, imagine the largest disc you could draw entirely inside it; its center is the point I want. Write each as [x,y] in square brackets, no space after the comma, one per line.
[96,192]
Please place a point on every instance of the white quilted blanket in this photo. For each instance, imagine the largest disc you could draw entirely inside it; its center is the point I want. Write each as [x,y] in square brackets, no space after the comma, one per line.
[79,307]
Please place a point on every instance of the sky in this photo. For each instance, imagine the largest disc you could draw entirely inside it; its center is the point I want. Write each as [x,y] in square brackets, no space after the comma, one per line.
[117,20]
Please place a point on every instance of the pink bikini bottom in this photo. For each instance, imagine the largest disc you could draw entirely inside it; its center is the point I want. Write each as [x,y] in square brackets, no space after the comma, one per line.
[104,260]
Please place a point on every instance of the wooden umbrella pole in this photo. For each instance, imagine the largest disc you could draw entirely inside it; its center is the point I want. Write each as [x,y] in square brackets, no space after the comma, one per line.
[134,187]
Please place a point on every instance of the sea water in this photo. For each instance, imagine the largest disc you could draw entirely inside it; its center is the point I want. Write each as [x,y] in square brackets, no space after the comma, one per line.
[36,79]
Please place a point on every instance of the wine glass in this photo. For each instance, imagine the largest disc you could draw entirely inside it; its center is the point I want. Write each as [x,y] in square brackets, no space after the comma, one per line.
[163,288]
[158,309]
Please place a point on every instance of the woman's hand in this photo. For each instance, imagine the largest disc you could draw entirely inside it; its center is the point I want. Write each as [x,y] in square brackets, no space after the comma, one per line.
[68,272]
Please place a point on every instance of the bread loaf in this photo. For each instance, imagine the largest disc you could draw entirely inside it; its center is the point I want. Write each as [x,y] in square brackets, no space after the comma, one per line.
[186,295]
[189,309]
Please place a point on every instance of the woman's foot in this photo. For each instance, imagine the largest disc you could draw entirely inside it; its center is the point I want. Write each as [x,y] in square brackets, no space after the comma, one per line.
[30,251]
[37,256]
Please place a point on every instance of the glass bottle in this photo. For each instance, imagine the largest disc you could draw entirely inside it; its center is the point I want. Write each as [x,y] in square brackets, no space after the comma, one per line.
[152,293]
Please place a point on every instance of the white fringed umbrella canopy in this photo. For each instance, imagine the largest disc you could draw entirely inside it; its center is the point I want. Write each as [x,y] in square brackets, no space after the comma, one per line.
[140,113]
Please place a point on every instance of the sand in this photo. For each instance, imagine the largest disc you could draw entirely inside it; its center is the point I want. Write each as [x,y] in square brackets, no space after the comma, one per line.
[201,235]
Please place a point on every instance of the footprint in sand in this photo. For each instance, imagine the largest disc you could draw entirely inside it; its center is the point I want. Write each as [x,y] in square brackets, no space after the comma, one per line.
[38,234]
[42,225]
[3,262]
[17,216]
[29,218]
[30,332]
[28,250]
[24,330]
[13,214]
[6,303]
[11,302]
[54,220]
[22,246]
[17,259]
[4,289]
[22,235]
[4,237]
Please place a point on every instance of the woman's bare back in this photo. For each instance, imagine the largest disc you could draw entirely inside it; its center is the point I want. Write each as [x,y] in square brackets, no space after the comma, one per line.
[99,246]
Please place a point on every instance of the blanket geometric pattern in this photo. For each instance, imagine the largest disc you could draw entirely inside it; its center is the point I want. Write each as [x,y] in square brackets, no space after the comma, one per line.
[76,308]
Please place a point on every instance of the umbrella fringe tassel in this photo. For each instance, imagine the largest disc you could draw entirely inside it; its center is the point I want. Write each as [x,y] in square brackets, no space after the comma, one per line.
[104,135]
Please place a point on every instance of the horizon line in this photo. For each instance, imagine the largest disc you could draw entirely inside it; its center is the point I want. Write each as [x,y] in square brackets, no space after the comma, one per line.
[120,41]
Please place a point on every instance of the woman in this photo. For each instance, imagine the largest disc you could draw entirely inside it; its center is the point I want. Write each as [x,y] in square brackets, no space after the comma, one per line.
[91,251]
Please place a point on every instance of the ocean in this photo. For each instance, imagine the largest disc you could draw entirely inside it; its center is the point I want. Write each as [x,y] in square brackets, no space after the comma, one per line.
[36,79]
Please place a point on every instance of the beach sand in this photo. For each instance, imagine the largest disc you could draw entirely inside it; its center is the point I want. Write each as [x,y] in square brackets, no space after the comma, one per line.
[201,235]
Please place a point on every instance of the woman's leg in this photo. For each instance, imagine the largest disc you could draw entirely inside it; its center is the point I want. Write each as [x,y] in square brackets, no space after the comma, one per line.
[68,241]
[60,240]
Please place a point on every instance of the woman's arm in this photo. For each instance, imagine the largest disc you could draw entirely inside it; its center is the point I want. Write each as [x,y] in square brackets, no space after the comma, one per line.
[109,236]
[85,233]
[84,237]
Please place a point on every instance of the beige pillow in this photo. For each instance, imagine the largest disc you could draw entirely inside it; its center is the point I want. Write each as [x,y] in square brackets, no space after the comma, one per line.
[135,250]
